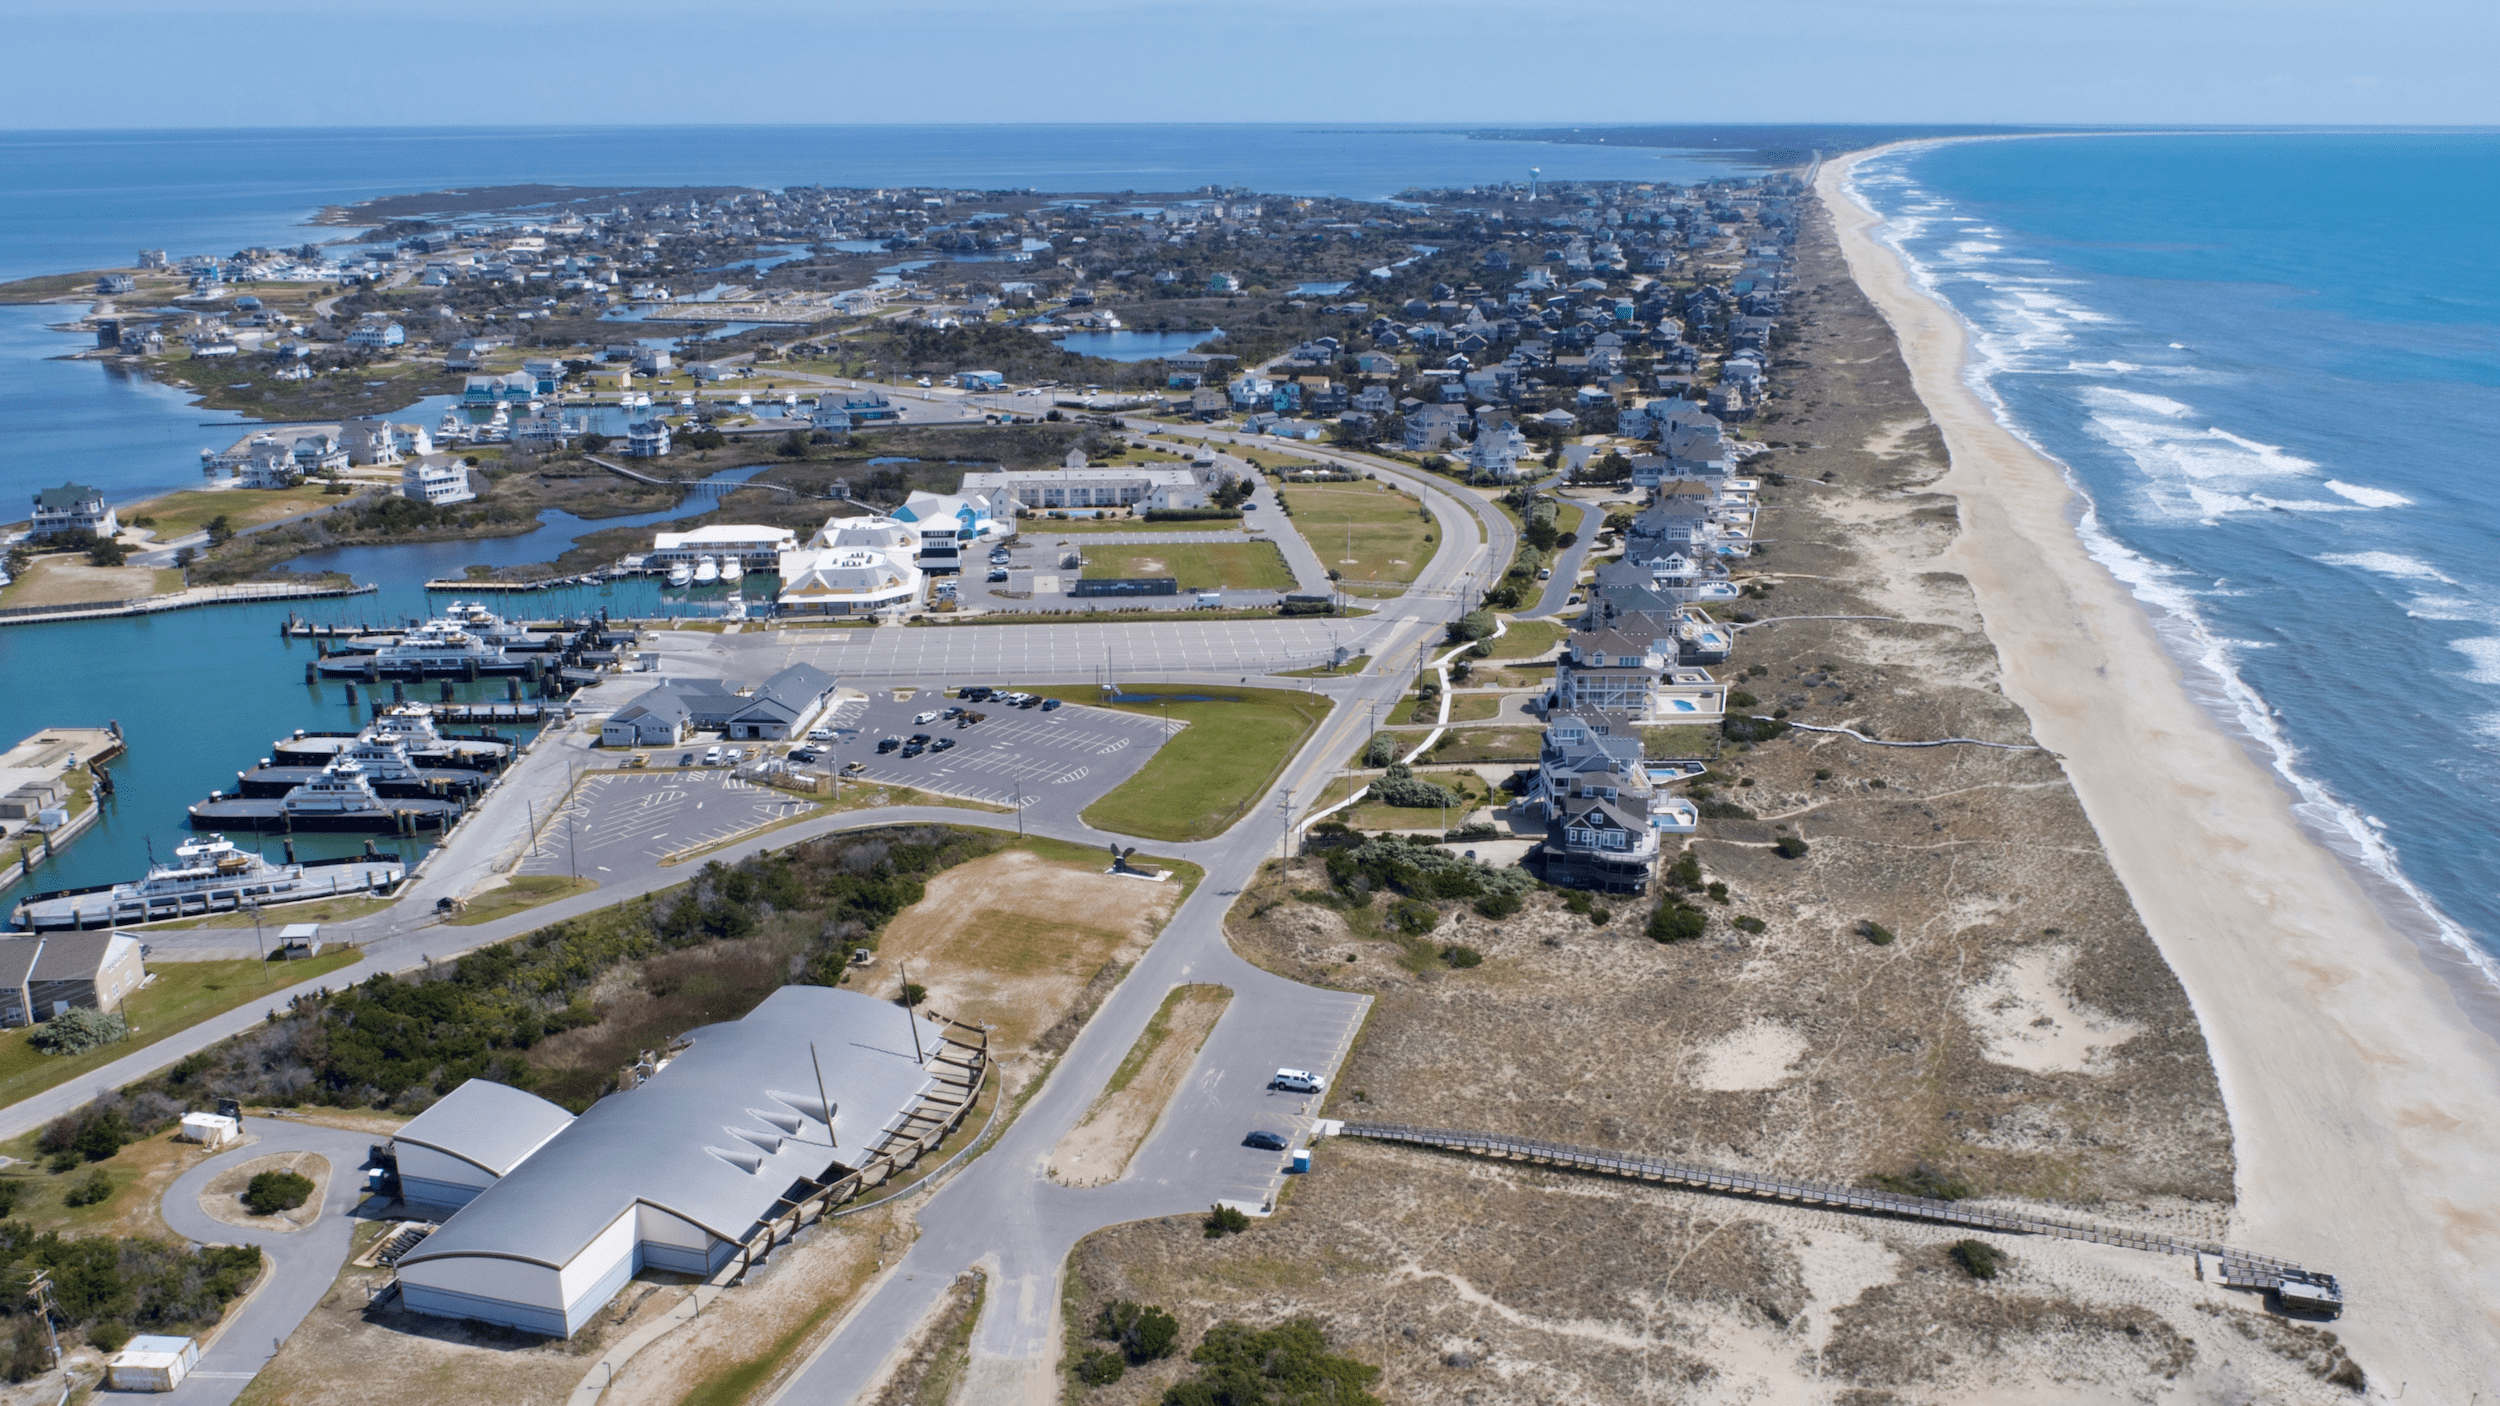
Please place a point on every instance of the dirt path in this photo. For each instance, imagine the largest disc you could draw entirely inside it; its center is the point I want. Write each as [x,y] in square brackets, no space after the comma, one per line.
[1097,1150]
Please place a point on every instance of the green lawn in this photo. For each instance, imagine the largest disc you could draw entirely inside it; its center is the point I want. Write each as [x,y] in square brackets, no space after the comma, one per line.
[1384,529]
[1240,566]
[1680,740]
[1355,665]
[179,514]
[519,892]
[1220,760]
[183,995]
[1526,639]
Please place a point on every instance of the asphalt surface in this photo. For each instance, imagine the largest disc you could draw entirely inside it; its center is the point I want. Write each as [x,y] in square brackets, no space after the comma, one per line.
[302,1263]
[998,1210]
[1051,765]
[629,820]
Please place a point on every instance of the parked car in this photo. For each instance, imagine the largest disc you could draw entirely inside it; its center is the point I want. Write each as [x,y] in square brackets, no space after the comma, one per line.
[973,694]
[853,768]
[685,759]
[888,744]
[913,750]
[924,719]
[941,744]
[1050,705]
[1266,1141]
[998,573]
[1028,700]
[711,757]
[920,739]
[952,713]
[1300,1081]
[820,734]
[736,755]
[805,754]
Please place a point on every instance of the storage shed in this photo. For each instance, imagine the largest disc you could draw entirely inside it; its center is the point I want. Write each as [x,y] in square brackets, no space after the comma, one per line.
[677,1173]
[470,1138]
[152,1363]
[209,1129]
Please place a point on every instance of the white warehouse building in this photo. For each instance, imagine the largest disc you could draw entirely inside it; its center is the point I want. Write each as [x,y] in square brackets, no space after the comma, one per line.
[673,1175]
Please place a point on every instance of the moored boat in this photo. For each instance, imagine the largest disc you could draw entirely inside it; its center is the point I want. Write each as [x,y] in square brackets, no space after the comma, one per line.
[339,799]
[207,875]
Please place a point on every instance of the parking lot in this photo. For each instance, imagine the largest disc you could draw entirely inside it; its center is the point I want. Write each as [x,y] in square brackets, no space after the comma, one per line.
[1063,760]
[625,821]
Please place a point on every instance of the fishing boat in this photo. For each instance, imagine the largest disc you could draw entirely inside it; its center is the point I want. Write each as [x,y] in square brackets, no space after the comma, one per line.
[706,571]
[680,574]
[730,570]
[207,875]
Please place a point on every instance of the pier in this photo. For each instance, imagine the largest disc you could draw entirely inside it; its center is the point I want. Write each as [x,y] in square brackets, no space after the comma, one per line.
[2313,1290]
[244,593]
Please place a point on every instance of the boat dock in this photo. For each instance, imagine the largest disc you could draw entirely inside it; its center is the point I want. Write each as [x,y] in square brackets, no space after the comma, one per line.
[465,586]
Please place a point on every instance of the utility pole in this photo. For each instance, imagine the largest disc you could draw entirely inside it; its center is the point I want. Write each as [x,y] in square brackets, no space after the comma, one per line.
[1019,807]
[260,943]
[1284,815]
[910,1014]
[40,1290]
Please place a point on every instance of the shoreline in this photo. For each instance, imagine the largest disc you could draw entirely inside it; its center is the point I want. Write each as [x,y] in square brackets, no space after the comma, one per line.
[2350,1067]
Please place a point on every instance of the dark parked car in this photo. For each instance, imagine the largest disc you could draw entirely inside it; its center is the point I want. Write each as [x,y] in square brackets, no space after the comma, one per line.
[805,754]
[913,750]
[941,744]
[1263,1139]
[1050,705]
[889,744]
[685,759]
[999,574]
[972,695]
[1031,700]
[920,739]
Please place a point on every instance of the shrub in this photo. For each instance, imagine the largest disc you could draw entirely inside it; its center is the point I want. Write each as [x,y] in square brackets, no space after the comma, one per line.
[1474,625]
[1978,1258]
[1718,893]
[1600,916]
[1927,1181]
[1790,847]
[1741,699]
[102,1136]
[1724,810]
[1244,1366]
[1685,873]
[1674,920]
[1143,1331]
[1225,1220]
[914,993]
[76,1031]
[109,1337]
[1382,751]
[1401,787]
[1461,956]
[1414,916]
[1100,1367]
[1875,932]
[1742,729]
[1746,922]
[272,1192]
[92,1189]
[1499,905]
[10,1193]
[1822,773]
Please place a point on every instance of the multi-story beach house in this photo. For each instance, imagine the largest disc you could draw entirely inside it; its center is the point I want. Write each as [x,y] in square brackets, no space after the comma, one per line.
[439,483]
[73,507]
[1593,793]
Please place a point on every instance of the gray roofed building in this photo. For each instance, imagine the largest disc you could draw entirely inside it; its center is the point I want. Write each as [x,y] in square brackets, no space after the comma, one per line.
[470,1138]
[41,977]
[663,716]
[783,705]
[678,1172]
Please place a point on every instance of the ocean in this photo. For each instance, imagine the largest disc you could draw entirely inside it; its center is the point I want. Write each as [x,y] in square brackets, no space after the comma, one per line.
[200,694]
[2270,365]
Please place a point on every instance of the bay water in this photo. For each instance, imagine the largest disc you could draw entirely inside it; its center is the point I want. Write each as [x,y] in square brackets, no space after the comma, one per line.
[2270,366]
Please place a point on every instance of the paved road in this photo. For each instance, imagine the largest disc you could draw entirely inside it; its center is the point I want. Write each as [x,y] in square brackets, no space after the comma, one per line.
[303,1263]
[998,1210]
[1566,578]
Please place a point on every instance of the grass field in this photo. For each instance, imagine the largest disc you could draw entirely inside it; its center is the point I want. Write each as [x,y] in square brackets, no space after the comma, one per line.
[1384,528]
[182,995]
[519,892]
[1526,639]
[180,514]
[68,580]
[1355,665]
[1488,744]
[1240,566]
[1370,815]
[1213,769]
[1680,740]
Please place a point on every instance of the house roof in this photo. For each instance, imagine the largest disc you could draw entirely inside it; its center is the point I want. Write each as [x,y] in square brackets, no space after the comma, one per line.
[715,1138]
[69,497]
[488,1125]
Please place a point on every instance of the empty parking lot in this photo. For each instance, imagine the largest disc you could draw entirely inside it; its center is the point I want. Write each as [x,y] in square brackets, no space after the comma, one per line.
[1059,762]
[625,821]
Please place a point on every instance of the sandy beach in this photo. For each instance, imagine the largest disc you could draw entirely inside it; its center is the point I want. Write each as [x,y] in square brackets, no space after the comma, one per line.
[2365,1108]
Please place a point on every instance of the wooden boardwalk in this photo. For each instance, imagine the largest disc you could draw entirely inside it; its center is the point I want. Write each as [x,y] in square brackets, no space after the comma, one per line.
[2238,1268]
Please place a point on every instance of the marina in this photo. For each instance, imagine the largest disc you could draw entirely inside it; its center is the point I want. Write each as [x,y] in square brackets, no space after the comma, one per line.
[340,798]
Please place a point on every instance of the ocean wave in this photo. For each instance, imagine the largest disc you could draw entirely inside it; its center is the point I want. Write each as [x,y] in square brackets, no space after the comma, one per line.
[2403,568]
[2484,654]
[2368,497]
[2210,673]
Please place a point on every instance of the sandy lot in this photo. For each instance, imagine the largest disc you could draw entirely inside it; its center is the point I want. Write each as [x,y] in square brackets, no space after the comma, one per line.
[1013,940]
[69,580]
[1097,1150]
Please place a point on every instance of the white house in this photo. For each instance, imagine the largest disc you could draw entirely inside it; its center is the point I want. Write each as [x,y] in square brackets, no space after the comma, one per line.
[1497,450]
[73,507]
[1044,490]
[374,332]
[438,483]
[853,566]
[646,439]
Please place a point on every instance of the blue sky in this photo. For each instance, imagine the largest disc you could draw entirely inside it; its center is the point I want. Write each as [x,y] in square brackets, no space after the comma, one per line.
[259,63]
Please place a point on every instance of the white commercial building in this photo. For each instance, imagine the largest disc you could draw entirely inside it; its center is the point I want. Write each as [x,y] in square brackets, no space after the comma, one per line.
[854,566]
[756,547]
[1052,490]
[672,1175]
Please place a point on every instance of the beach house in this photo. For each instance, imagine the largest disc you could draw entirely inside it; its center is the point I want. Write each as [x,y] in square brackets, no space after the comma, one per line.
[72,507]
